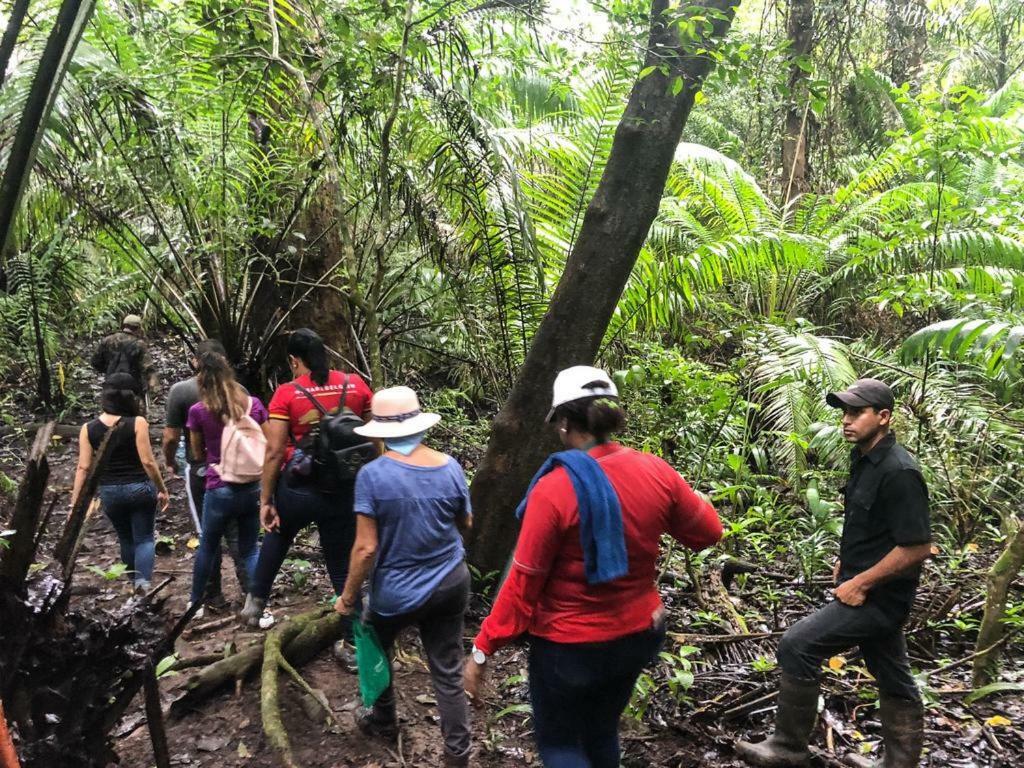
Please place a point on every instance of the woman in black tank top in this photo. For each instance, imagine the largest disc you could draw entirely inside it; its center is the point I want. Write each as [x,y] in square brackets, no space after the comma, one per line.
[130,486]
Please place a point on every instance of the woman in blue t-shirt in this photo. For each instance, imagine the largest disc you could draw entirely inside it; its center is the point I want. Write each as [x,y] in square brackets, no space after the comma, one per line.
[411,504]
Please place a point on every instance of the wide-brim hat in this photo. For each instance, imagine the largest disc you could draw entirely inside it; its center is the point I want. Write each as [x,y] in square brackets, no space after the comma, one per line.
[396,412]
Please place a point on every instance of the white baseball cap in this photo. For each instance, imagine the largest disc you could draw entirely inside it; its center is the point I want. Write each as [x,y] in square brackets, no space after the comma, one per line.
[578,382]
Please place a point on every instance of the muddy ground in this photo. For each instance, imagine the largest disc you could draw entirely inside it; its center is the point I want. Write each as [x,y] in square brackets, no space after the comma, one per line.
[694,725]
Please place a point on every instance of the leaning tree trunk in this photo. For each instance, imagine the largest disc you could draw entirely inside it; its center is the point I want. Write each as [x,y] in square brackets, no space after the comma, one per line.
[997,587]
[800,31]
[614,229]
[60,46]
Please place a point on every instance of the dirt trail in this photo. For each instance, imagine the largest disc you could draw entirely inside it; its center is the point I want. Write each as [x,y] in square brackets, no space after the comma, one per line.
[728,697]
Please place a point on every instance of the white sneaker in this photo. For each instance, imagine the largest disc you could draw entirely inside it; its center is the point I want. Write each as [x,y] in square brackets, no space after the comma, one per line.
[198,614]
[267,620]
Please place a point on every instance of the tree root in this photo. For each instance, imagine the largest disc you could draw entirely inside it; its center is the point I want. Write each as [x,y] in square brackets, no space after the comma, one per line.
[270,708]
[317,628]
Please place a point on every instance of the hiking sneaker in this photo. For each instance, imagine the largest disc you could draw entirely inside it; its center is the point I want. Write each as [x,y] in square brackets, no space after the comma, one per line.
[198,614]
[344,654]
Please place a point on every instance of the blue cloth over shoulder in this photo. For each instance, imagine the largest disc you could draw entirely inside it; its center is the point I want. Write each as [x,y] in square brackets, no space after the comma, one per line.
[601,532]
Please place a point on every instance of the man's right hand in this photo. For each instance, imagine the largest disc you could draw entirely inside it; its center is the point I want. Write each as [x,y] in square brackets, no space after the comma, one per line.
[835,571]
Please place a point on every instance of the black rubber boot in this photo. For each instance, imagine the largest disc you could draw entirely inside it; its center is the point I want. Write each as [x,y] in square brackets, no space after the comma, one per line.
[380,722]
[794,721]
[902,735]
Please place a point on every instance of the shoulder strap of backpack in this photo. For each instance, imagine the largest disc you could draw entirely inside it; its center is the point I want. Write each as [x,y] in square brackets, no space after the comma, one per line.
[309,395]
[344,394]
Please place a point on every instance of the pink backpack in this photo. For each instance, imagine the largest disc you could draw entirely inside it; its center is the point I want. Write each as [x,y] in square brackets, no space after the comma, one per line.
[243,447]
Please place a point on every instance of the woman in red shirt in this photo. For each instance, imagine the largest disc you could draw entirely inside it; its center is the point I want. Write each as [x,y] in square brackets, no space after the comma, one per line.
[582,581]
[289,502]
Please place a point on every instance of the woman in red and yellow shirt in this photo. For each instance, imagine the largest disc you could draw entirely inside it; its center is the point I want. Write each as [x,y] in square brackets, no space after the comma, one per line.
[288,503]
[589,637]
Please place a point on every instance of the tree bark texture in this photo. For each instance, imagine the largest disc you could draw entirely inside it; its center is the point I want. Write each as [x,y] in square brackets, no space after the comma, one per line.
[60,47]
[614,229]
[301,637]
[800,31]
[906,39]
[997,587]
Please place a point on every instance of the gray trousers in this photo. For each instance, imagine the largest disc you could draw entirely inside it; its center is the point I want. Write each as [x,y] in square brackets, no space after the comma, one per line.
[838,627]
[440,621]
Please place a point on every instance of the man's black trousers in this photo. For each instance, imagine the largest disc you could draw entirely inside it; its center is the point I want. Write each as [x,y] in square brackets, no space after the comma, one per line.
[838,627]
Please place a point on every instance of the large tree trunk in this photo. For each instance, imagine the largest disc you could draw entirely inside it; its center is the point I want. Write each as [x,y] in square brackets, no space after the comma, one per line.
[800,31]
[614,229]
[906,40]
[60,46]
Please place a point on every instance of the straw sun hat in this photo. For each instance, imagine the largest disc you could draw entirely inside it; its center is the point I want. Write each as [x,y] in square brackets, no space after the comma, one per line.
[396,413]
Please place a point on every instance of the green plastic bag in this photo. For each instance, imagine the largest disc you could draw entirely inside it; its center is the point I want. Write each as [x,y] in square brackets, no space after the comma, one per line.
[374,672]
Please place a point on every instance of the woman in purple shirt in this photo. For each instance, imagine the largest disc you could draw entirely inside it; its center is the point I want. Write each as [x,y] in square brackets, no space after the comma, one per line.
[222,400]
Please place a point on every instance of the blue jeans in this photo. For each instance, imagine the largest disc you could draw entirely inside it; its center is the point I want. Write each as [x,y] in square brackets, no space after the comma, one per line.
[239,503]
[131,509]
[579,690]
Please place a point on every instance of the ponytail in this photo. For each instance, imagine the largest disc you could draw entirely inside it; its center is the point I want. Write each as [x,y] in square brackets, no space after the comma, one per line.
[309,348]
[218,389]
[598,416]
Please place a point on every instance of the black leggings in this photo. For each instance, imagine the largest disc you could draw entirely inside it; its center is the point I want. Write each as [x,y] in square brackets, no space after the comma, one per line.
[299,507]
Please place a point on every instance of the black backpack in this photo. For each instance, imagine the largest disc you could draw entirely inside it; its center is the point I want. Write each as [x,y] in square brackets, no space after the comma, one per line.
[337,452]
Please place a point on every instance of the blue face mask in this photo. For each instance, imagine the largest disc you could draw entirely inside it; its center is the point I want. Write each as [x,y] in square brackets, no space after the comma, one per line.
[403,445]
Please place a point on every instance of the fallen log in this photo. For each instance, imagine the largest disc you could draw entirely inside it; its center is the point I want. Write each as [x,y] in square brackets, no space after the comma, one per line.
[63,430]
[302,638]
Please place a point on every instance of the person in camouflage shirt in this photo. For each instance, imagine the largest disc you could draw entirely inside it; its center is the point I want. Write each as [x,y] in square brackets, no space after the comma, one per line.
[126,352]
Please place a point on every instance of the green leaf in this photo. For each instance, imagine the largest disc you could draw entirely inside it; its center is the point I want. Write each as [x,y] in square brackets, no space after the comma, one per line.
[163,667]
[988,690]
[514,709]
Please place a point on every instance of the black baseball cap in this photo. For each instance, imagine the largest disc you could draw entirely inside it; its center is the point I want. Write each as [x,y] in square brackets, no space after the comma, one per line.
[862,393]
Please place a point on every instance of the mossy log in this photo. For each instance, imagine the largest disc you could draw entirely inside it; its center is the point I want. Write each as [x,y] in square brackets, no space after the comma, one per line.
[301,639]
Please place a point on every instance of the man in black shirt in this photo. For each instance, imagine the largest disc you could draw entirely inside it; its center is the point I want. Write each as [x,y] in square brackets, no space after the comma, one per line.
[886,538]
